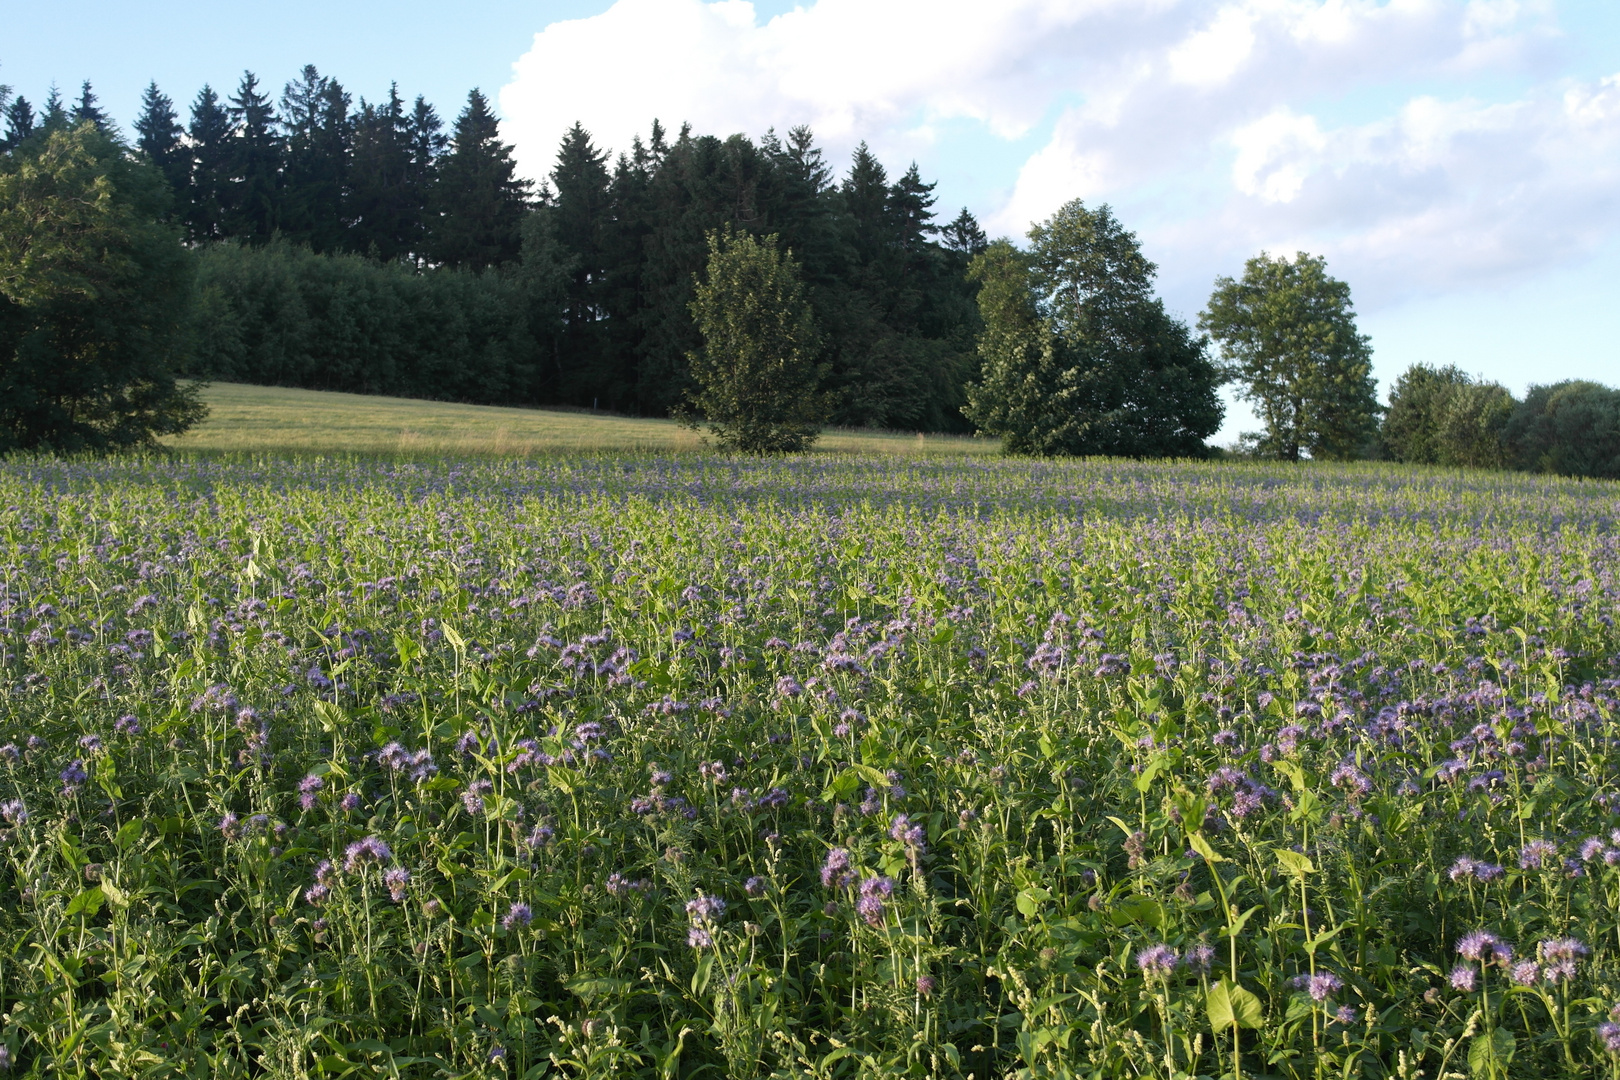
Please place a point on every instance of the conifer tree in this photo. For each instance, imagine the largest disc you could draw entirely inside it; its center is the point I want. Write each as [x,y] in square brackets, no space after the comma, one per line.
[317,131]
[481,200]
[386,215]
[580,217]
[208,137]
[54,117]
[157,135]
[964,235]
[428,143]
[19,123]
[86,110]
[254,164]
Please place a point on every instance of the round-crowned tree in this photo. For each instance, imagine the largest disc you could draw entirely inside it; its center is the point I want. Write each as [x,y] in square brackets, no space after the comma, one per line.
[757,379]
[94,286]
[1078,356]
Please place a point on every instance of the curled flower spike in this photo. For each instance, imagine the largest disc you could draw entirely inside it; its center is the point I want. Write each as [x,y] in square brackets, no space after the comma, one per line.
[1157,962]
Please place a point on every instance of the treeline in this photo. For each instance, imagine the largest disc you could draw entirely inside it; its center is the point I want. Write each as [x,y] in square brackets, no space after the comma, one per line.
[365,247]
[1442,416]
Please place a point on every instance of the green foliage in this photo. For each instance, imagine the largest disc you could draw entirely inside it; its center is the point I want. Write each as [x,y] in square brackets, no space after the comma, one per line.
[1077,356]
[419,769]
[1288,336]
[1572,428]
[285,316]
[479,200]
[1441,416]
[94,288]
[757,380]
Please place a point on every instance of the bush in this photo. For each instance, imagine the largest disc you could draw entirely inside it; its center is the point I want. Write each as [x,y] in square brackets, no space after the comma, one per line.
[1571,428]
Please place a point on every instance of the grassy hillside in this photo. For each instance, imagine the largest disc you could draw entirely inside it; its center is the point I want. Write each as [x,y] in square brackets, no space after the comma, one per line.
[270,419]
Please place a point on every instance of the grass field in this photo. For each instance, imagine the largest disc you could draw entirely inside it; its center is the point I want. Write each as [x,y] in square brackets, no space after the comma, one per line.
[270,419]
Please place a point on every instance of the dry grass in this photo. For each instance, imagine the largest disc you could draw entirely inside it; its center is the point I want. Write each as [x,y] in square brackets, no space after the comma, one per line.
[270,419]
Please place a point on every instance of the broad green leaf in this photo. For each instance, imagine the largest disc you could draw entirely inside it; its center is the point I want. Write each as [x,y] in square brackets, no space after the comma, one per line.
[1294,863]
[86,903]
[1030,901]
[1197,842]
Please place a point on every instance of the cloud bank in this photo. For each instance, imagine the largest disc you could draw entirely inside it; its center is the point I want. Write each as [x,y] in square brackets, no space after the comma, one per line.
[1424,146]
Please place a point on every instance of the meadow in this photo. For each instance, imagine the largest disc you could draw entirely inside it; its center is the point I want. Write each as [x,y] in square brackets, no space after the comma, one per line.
[276,419]
[673,765]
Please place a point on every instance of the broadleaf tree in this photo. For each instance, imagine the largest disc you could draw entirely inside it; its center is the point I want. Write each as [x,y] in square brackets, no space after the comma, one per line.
[756,375]
[1287,334]
[94,286]
[1078,357]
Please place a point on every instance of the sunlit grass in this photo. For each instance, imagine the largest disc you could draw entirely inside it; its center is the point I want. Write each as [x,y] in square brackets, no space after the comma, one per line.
[272,419]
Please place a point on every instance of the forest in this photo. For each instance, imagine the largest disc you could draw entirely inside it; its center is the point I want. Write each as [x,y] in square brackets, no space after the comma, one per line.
[371,247]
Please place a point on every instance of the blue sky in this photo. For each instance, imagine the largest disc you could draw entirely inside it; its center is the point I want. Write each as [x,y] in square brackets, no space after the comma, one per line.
[1457,161]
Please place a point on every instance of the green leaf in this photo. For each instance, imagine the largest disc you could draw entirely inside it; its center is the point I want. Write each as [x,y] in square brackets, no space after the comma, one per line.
[1491,1052]
[86,903]
[1153,769]
[700,977]
[1197,842]
[1294,863]
[1030,900]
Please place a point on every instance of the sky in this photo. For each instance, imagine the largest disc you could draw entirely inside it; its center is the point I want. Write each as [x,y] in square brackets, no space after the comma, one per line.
[1456,161]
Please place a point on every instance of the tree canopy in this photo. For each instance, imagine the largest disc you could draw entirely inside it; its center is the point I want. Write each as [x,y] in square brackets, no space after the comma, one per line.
[1287,333]
[1078,356]
[94,287]
[757,383]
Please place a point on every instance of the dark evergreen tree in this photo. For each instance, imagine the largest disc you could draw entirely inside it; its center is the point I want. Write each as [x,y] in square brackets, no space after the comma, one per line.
[317,131]
[254,164]
[385,213]
[55,116]
[208,139]
[19,123]
[581,215]
[158,136]
[86,110]
[964,235]
[428,144]
[481,199]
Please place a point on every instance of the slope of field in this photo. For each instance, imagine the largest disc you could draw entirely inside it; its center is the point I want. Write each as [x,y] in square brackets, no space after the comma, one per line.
[272,419]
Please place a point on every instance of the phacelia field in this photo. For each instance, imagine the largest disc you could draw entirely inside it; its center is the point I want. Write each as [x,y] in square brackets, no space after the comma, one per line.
[681,767]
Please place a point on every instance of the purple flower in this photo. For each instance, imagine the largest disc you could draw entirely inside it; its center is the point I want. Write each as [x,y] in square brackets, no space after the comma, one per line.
[1537,854]
[908,834]
[705,909]
[517,916]
[309,791]
[325,872]
[1478,945]
[1464,978]
[1525,973]
[371,849]
[1561,956]
[396,879]
[699,938]
[14,811]
[1157,961]
[539,837]
[835,871]
[926,985]
[350,802]
[1323,985]
[73,777]
[230,826]
[754,886]
[873,892]
[317,893]
[1199,957]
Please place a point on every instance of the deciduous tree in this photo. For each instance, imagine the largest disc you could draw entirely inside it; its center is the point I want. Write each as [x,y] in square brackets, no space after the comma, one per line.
[1287,333]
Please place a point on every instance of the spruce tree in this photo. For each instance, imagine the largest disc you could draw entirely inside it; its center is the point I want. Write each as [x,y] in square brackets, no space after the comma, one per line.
[157,135]
[385,216]
[86,110]
[964,235]
[315,124]
[254,163]
[54,116]
[427,143]
[19,123]
[480,200]
[208,139]
[580,217]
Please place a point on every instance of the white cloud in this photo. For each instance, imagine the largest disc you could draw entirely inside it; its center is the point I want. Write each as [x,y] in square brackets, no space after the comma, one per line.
[1218,129]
